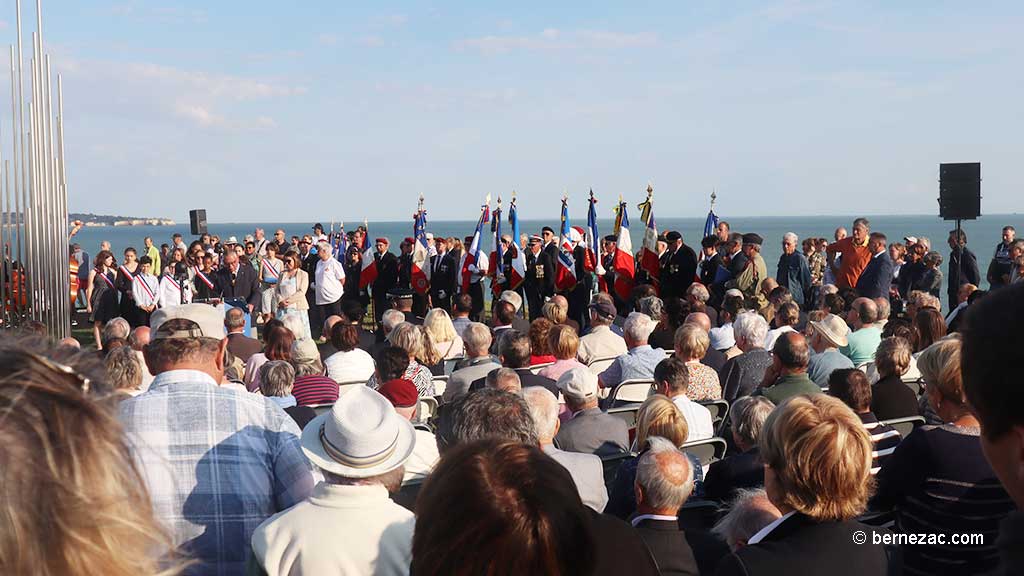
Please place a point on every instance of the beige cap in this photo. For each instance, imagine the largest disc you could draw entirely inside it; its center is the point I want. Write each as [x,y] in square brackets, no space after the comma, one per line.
[579,384]
[832,328]
[209,322]
[305,350]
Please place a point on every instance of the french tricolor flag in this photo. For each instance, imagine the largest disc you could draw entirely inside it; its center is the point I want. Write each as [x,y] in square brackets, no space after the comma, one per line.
[649,260]
[473,254]
[565,269]
[420,254]
[368,271]
[518,272]
[623,262]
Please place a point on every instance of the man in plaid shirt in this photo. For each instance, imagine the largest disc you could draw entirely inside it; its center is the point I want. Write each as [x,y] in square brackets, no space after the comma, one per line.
[217,460]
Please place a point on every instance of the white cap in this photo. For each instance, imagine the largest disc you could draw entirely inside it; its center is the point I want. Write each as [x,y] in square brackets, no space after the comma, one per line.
[579,384]
[209,322]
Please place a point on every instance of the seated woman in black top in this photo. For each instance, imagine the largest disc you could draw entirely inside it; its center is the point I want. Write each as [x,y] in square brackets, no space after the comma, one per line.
[674,313]
[817,457]
[938,480]
[890,397]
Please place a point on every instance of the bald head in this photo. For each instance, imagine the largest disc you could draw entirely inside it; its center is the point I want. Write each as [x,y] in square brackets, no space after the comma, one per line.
[330,322]
[699,319]
[139,338]
[863,312]
[560,301]
[664,478]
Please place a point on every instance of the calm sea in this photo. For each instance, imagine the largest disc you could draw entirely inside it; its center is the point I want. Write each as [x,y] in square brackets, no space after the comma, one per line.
[983,234]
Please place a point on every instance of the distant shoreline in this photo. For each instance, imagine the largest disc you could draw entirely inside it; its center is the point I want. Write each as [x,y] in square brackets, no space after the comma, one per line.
[100,221]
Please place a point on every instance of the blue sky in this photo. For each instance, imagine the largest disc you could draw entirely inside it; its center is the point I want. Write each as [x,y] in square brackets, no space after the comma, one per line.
[318,110]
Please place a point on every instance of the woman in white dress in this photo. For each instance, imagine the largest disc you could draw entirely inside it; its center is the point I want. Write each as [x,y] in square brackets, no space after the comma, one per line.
[290,293]
[270,268]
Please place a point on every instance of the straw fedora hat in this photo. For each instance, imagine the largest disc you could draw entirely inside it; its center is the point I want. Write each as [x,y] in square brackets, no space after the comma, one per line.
[361,436]
[833,329]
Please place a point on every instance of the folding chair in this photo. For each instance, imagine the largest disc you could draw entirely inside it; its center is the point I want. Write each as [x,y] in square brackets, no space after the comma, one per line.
[598,365]
[536,368]
[905,425]
[627,412]
[719,411]
[707,451]
[425,410]
[610,464]
[440,384]
[406,495]
[627,391]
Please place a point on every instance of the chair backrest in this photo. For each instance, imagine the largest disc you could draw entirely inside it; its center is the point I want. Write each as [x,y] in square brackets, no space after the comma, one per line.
[321,408]
[598,365]
[707,451]
[719,411]
[698,515]
[449,365]
[425,410]
[610,464]
[914,385]
[627,412]
[905,425]
[635,390]
[406,495]
[536,368]
[346,387]
[440,385]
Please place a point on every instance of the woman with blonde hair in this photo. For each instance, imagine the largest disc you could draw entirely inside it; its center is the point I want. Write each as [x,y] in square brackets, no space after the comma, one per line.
[73,500]
[691,343]
[563,344]
[555,313]
[938,480]
[438,325]
[817,458]
[412,340]
[290,293]
[658,416]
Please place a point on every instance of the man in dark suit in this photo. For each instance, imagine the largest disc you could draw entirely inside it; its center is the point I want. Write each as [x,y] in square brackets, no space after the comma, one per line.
[711,262]
[387,277]
[550,243]
[514,353]
[963,265]
[238,282]
[540,277]
[442,276]
[240,345]
[737,259]
[875,280]
[664,481]
[678,267]
[745,469]
[579,295]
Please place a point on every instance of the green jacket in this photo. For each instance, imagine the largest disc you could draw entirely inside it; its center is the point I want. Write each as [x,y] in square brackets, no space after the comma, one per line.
[749,282]
[788,386]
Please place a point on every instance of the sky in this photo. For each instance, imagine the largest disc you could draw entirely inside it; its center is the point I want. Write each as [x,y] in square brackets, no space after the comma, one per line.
[326,110]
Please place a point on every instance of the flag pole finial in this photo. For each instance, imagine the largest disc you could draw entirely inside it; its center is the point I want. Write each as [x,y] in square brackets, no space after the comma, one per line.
[713,197]
[650,189]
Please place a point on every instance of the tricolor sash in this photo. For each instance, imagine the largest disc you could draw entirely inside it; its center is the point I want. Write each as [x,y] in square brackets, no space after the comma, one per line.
[206,279]
[107,280]
[270,275]
[173,282]
[141,279]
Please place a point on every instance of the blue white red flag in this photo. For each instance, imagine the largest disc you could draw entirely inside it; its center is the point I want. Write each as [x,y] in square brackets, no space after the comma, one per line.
[565,268]
[649,257]
[623,262]
[420,253]
[497,255]
[518,272]
[593,238]
[474,255]
[368,271]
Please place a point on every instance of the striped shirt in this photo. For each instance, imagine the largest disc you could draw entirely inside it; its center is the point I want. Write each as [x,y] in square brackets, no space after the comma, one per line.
[938,481]
[315,389]
[884,440]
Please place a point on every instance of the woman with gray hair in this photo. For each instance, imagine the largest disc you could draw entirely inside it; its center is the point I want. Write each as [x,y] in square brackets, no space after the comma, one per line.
[276,380]
[749,512]
[930,280]
[744,469]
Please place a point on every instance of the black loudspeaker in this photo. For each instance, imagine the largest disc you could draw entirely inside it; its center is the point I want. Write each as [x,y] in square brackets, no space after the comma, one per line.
[197,219]
[960,191]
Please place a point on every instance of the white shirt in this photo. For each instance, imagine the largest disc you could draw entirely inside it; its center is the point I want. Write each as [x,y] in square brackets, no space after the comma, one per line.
[352,366]
[147,295]
[698,418]
[171,292]
[424,457]
[643,517]
[330,281]
[763,532]
[337,530]
[600,342]
[773,335]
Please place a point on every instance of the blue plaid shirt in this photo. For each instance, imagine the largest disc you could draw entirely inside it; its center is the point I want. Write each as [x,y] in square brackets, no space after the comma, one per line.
[218,461]
[637,363]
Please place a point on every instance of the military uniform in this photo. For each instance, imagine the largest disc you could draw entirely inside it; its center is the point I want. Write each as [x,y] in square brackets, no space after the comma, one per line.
[678,270]
[540,281]
[387,279]
[442,280]
[748,281]
[579,295]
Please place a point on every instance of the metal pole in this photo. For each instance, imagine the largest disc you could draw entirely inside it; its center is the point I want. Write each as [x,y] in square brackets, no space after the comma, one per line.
[16,254]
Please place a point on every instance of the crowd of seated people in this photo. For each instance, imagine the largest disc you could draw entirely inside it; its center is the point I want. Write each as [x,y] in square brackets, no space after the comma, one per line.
[769,441]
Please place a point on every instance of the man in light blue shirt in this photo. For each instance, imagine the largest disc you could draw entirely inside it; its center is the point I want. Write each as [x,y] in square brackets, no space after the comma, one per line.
[217,460]
[640,359]
[866,336]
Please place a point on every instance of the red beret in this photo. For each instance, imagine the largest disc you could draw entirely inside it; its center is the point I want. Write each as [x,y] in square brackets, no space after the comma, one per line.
[400,392]
[382,239]
[409,240]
